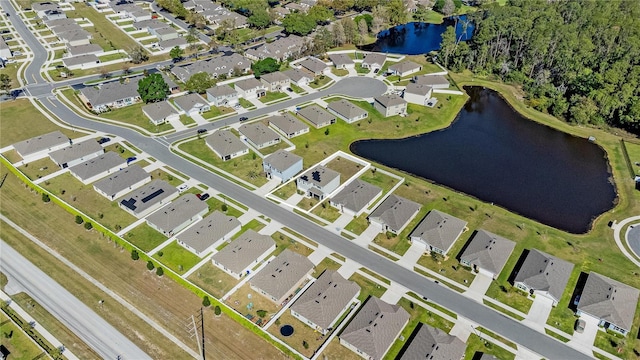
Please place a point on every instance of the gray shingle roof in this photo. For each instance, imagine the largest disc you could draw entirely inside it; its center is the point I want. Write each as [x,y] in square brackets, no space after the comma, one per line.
[439,229]
[418,89]
[171,43]
[541,271]
[298,74]
[314,65]
[209,230]
[431,80]
[434,344]
[316,115]
[279,276]
[404,66]
[287,123]
[95,166]
[488,251]
[138,201]
[111,91]
[326,298]
[121,180]
[180,210]
[346,109]
[340,59]
[40,143]
[218,65]
[356,195]
[395,212]
[388,100]
[80,59]
[159,110]
[75,151]
[375,327]
[225,143]
[258,133]
[243,251]
[84,49]
[248,84]
[274,77]
[609,300]
[189,101]
[375,58]
[281,160]
[221,90]
[319,175]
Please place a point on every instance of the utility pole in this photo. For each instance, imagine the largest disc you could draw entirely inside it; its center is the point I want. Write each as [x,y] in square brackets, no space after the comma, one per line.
[202,329]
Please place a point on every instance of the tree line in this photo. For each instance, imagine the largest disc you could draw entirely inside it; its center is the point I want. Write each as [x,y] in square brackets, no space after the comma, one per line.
[577,60]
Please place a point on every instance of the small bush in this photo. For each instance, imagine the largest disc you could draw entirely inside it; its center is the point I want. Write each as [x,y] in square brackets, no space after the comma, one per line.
[159,272]
[79,219]
[150,265]
[45,197]
[326,132]
[305,344]
[224,208]
[217,310]
[206,302]
[88,226]
[135,255]
[160,253]
[262,313]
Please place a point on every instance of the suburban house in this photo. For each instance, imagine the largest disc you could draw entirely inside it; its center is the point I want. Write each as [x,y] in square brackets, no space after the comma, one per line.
[207,234]
[54,15]
[250,88]
[438,231]
[42,7]
[41,145]
[282,277]
[318,182]
[192,104]
[282,165]
[432,343]
[121,182]
[322,304]
[354,198]
[148,198]
[299,77]
[609,301]
[487,253]
[222,95]
[98,167]
[259,135]
[112,94]
[226,145]
[160,112]
[275,81]
[417,93]
[76,153]
[227,65]
[347,111]
[173,87]
[390,105]
[280,49]
[179,214]
[164,33]
[394,214]
[288,125]
[81,61]
[374,61]
[5,50]
[317,116]
[435,81]
[94,49]
[374,329]
[404,68]
[244,253]
[169,44]
[342,61]
[544,275]
[315,66]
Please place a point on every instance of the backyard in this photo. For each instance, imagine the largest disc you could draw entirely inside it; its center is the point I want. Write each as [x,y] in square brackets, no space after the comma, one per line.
[145,237]
[177,257]
[304,339]
[213,280]
[346,168]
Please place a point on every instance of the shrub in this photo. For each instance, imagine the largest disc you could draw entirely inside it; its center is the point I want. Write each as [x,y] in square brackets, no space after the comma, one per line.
[159,272]
[150,265]
[88,226]
[134,254]
[160,253]
[206,302]
[326,132]
[262,313]
[305,344]
[217,310]
[224,208]
[79,219]
[45,197]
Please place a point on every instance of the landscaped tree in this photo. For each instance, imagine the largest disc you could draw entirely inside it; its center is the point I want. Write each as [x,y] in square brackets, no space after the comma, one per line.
[199,82]
[298,23]
[134,255]
[79,219]
[206,302]
[320,14]
[217,310]
[265,66]
[45,197]
[5,82]
[88,226]
[192,37]
[176,53]
[150,265]
[224,208]
[259,19]
[159,271]
[152,88]
[138,55]
[262,313]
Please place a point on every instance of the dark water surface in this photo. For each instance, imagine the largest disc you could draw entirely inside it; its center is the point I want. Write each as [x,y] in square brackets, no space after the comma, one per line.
[418,38]
[494,154]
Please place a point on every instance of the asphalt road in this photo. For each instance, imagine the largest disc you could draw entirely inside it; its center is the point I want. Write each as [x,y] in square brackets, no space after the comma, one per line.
[32,72]
[633,239]
[103,338]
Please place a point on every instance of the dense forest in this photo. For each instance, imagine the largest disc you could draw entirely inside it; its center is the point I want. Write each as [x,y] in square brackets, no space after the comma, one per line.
[578,60]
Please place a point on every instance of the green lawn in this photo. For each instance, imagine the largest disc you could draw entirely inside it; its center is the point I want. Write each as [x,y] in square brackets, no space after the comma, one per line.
[215,204]
[325,264]
[320,81]
[19,344]
[346,168]
[367,287]
[326,212]
[286,191]
[285,242]
[633,149]
[254,225]
[158,174]
[247,167]
[213,280]
[361,70]
[111,57]
[340,72]
[377,178]
[358,224]
[273,96]
[177,258]
[12,71]
[145,237]
[513,297]
[216,111]
[12,126]
[39,168]
[273,148]
[561,317]
[296,89]
[117,148]
[186,120]
[246,104]
[475,345]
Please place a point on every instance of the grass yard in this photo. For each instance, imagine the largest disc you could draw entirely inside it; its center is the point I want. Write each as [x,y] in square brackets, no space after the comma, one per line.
[613,344]
[273,96]
[513,297]
[326,211]
[248,301]
[340,72]
[450,267]
[285,242]
[39,168]
[633,149]
[12,156]
[85,199]
[19,344]
[299,236]
[361,70]
[358,225]
[119,149]
[476,345]
[367,287]
[186,120]
[247,167]
[104,32]
[297,89]
[111,57]
[377,178]
[213,280]
[335,351]
[133,115]
[307,203]
[346,168]
[286,191]
[325,264]
[12,71]
[177,257]
[561,317]
[395,243]
[216,111]
[53,325]
[215,204]
[145,237]
[254,225]
[158,174]
[375,275]
[320,81]
[302,333]
[22,121]
[246,104]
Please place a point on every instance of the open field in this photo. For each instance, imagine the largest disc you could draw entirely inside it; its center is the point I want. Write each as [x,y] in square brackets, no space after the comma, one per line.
[159,297]
[13,129]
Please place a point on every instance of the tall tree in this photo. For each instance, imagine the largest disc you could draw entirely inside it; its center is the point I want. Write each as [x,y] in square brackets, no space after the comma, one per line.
[298,23]
[265,66]
[338,34]
[5,82]
[176,53]
[350,30]
[199,82]
[259,19]
[448,8]
[153,88]
[397,12]
[138,55]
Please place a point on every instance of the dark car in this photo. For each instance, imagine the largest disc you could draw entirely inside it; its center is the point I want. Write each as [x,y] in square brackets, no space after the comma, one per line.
[104,140]
[130,159]
[289,89]
[203,197]
[244,118]
[376,71]
[202,131]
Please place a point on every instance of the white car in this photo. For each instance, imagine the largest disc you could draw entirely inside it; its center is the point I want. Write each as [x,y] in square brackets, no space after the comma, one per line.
[183,187]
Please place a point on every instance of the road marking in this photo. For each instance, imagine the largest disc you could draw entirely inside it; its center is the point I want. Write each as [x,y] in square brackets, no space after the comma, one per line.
[52,102]
[34,78]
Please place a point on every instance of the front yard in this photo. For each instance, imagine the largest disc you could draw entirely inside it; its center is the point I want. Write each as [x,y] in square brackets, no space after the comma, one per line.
[273,96]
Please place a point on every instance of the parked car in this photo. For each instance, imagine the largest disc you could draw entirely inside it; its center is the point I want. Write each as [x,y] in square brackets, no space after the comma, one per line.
[17,53]
[376,71]
[202,131]
[289,89]
[576,301]
[183,187]
[130,159]
[580,324]
[104,140]
[203,197]
[244,118]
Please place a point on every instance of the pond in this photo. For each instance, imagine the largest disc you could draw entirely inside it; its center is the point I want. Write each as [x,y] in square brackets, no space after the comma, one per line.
[418,38]
[494,154]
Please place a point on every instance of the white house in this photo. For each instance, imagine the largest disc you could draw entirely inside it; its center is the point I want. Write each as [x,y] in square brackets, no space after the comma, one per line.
[250,88]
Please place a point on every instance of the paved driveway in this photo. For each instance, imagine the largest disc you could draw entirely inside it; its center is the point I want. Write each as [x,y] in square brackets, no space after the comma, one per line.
[584,342]
[479,287]
[539,312]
